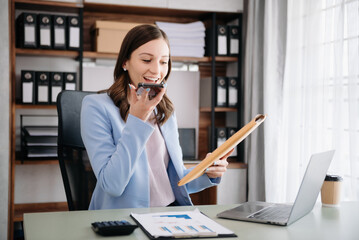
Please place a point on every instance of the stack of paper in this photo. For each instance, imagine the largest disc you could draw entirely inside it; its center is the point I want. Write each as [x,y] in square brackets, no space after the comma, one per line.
[186,39]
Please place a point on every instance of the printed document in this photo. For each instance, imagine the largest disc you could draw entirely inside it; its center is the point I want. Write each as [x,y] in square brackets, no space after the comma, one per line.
[186,224]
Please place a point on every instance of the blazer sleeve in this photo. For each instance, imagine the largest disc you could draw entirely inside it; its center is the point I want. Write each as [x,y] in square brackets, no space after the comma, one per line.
[113,160]
[170,131]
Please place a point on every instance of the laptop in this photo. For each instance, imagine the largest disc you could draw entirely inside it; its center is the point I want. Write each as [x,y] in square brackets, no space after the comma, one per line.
[286,214]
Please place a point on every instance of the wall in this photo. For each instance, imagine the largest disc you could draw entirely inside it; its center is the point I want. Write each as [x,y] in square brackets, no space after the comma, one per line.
[38,183]
[233,186]
[4,117]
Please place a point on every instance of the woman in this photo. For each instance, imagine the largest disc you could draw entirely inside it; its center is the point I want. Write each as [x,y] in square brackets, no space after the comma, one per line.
[131,139]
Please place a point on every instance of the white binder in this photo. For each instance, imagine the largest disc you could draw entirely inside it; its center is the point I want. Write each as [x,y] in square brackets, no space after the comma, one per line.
[44,31]
[59,32]
[221,83]
[232,92]
[222,40]
[70,81]
[27,86]
[56,85]
[73,32]
[42,87]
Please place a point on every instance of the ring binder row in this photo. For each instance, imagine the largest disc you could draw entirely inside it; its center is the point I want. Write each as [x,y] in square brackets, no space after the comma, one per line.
[41,87]
[222,134]
[47,31]
[226,93]
[226,40]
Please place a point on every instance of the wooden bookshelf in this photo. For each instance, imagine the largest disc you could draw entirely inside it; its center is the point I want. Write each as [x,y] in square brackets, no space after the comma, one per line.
[95,55]
[55,6]
[46,52]
[37,162]
[34,106]
[218,109]
[91,12]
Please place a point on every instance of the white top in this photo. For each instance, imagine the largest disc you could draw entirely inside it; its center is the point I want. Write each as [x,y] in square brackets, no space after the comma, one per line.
[161,193]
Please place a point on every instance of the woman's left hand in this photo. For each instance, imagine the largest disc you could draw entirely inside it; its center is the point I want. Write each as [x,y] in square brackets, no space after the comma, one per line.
[142,106]
[219,167]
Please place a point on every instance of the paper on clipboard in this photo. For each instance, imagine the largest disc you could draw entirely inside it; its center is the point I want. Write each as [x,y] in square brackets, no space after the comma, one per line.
[180,224]
[223,149]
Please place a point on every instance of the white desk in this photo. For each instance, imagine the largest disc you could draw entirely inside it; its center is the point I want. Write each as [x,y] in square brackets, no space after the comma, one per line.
[322,223]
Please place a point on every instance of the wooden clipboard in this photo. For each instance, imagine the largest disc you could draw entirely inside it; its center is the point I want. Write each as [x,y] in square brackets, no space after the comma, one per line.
[222,150]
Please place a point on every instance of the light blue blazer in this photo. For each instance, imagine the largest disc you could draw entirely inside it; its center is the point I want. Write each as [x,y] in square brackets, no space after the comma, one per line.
[117,154]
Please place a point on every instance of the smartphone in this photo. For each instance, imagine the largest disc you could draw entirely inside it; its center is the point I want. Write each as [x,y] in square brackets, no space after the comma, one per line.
[154,88]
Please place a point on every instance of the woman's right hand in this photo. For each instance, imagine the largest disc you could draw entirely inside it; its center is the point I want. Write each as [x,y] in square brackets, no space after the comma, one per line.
[140,105]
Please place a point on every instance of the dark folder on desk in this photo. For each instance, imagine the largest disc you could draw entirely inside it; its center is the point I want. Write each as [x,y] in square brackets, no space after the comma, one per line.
[26,30]
[56,85]
[221,92]
[58,32]
[27,86]
[42,87]
[73,32]
[44,30]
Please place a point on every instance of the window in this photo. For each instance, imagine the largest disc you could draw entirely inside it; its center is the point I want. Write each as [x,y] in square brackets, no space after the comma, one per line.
[321,91]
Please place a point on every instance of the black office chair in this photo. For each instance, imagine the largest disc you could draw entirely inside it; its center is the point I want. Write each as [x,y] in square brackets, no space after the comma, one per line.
[77,175]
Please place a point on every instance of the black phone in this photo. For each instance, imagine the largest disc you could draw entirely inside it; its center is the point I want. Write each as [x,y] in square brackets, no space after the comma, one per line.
[154,88]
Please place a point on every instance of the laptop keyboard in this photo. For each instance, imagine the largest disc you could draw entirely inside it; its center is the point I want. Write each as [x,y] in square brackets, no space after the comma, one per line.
[273,214]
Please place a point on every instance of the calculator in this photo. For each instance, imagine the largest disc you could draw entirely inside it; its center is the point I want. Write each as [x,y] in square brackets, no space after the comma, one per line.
[113,228]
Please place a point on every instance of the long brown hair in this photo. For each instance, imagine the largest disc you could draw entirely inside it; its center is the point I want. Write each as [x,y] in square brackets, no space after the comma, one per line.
[135,38]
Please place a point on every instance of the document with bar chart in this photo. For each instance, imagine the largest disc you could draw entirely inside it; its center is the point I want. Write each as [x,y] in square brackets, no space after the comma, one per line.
[184,224]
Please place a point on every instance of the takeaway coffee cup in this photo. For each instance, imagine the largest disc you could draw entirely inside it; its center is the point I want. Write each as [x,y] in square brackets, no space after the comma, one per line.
[331,191]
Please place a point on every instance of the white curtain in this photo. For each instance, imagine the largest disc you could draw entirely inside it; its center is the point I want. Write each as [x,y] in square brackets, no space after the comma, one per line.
[253,100]
[320,97]
[264,71]
[275,37]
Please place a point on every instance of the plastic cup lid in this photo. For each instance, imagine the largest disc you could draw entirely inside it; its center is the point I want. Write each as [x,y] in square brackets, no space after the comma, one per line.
[333,178]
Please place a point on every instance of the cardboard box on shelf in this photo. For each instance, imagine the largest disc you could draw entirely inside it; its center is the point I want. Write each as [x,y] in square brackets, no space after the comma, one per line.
[108,35]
